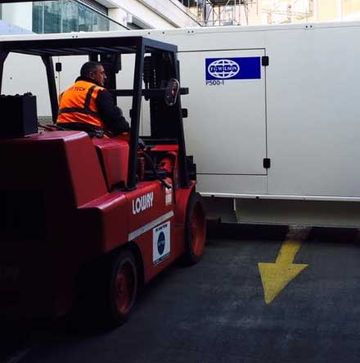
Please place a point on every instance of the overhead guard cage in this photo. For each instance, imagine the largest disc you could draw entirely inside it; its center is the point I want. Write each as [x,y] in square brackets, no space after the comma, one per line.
[110,48]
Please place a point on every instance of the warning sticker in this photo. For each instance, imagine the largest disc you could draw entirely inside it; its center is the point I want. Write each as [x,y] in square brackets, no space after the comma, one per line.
[168,196]
[161,242]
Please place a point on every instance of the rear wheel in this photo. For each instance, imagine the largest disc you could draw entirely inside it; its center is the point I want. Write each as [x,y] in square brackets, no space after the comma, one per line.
[122,290]
[195,230]
[107,290]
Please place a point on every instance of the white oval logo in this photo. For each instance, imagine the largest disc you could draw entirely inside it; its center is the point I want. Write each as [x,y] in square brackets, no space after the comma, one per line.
[223,68]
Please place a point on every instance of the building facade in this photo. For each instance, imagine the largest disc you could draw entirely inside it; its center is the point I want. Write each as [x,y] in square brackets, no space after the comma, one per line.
[102,15]
[91,15]
[261,12]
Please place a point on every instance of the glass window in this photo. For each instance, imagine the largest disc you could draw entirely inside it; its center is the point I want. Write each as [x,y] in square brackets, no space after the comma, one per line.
[69,15]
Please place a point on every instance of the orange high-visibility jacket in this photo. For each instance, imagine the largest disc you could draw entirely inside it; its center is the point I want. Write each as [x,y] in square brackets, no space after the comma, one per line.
[78,104]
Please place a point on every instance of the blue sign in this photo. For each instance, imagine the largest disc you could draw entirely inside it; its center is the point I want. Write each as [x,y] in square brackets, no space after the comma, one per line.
[161,243]
[232,68]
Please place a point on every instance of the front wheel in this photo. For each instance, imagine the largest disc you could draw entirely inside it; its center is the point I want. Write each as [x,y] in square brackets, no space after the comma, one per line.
[195,229]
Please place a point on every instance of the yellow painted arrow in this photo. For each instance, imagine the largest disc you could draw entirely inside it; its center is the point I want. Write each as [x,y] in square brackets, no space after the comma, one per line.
[276,276]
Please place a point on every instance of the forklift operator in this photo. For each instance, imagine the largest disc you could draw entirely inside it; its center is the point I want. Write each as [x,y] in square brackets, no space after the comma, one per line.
[90,107]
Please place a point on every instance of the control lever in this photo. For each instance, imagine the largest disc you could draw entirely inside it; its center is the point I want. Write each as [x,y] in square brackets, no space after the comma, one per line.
[172,91]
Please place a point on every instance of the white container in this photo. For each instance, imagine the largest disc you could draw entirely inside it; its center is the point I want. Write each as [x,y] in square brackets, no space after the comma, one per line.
[301,115]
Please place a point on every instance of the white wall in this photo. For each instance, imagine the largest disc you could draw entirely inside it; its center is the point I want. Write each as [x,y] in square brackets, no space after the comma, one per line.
[156,13]
[119,15]
[18,14]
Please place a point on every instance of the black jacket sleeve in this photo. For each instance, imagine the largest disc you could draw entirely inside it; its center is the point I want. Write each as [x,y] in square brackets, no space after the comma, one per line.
[111,115]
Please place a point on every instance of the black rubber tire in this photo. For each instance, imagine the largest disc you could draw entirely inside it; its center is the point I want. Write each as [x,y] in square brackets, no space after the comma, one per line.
[98,296]
[195,230]
[122,287]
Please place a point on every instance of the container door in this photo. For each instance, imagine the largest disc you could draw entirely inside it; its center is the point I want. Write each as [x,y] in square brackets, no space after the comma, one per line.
[226,128]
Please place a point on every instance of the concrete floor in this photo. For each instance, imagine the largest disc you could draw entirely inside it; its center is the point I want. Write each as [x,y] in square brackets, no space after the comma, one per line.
[215,311]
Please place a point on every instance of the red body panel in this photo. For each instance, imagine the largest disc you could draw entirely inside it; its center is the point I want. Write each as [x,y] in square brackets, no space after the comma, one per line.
[114,156]
[62,210]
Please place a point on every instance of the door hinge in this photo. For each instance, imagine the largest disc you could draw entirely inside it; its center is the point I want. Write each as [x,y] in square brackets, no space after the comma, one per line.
[265,60]
[58,66]
[267,163]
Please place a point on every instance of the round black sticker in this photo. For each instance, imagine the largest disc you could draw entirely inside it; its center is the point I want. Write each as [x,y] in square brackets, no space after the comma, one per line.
[161,243]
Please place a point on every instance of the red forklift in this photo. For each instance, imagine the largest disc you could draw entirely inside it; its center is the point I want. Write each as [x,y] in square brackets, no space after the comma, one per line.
[85,221]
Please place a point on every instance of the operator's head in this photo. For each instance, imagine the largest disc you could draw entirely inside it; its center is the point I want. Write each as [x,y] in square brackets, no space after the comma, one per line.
[94,71]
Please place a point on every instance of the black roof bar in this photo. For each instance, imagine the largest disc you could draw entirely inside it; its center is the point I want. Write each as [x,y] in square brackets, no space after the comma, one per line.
[82,46]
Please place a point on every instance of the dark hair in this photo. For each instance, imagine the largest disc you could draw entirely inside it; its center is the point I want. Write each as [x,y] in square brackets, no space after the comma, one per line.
[88,68]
